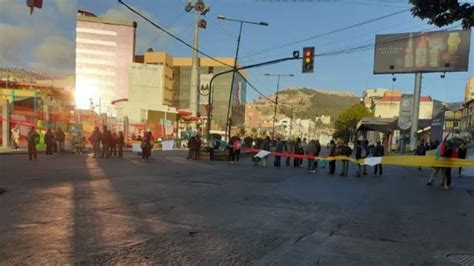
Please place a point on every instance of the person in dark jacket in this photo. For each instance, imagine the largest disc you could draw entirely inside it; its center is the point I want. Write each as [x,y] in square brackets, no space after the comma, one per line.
[420,151]
[449,152]
[332,152]
[379,151]
[60,138]
[266,146]
[106,142]
[311,151]
[120,143]
[33,140]
[298,150]
[361,152]
[345,150]
[95,139]
[462,154]
[113,145]
[48,140]
[280,146]
[191,147]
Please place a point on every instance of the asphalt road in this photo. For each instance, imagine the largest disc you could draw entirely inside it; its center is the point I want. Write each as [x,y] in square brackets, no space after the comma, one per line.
[168,210]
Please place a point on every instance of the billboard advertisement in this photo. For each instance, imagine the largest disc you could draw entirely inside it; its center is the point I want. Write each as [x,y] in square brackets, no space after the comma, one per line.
[204,89]
[437,51]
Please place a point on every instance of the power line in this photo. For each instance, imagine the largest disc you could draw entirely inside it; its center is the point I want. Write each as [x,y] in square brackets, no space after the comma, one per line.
[172,35]
[327,33]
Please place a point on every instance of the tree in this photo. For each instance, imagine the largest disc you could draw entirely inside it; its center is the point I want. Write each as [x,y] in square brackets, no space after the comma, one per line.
[346,122]
[444,12]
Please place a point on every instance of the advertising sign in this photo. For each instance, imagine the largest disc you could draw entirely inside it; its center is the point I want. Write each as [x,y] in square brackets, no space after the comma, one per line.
[437,51]
[204,88]
[406,105]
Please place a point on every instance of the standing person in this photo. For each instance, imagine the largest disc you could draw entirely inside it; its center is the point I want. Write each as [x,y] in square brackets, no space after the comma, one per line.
[332,153]
[212,146]
[231,151]
[298,151]
[266,147]
[197,150]
[78,142]
[106,141]
[113,145]
[60,138]
[462,154]
[191,147]
[379,151]
[33,140]
[360,154]
[236,146]
[449,152]
[290,146]
[345,150]
[318,151]
[311,151]
[48,140]
[120,143]
[16,138]
[147,145]
[95,139]
[280,146]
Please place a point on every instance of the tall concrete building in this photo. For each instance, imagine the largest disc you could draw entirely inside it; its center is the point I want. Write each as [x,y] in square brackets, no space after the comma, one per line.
[105,49]
[469,90]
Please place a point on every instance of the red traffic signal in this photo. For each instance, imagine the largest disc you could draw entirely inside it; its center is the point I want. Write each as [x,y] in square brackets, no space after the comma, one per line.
[308,60]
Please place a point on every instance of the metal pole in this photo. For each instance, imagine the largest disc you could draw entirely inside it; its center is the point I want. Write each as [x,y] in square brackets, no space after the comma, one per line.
[276,104]
[5,123]
[228,124]
[194,90]
[415,111]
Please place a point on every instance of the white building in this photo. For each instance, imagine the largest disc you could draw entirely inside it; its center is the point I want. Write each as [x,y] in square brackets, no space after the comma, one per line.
[324,119]
[104,50]
[469,90]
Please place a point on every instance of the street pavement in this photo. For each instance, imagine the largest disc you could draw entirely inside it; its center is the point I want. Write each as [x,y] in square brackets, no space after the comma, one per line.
[169,210]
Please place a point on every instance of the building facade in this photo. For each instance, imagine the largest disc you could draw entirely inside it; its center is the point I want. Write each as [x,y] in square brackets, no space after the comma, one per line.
[176,76]
[469,90]
[389,106]
[104,51]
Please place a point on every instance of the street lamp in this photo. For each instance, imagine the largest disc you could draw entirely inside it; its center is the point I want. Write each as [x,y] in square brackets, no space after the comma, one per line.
[276,98]
[261,23]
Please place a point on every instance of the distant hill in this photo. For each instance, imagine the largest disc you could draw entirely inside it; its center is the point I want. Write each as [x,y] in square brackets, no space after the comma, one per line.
[308,103]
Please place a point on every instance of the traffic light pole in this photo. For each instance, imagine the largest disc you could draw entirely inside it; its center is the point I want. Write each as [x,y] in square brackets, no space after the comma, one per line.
[276,105]
[210,100]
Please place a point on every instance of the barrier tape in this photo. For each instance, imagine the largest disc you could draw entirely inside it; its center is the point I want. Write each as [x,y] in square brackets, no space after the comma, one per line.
[399,160]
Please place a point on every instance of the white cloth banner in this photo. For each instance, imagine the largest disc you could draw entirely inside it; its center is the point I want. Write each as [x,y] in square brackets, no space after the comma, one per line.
[372,161]
[167,145]
[136,147]
[262,154]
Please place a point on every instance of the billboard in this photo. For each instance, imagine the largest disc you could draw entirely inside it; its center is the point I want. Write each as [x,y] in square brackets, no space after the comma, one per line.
[204,89]
[437,51]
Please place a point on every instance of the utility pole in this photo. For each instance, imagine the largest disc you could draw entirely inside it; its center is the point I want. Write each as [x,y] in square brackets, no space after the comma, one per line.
[276,98]
[415,111]
[200,9]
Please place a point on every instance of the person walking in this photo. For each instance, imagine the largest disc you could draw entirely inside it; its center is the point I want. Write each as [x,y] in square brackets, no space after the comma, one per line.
[95,139]
[60,138]
[462,154]
[113,145]
[48,140]
[266,147]
[311,151]
[16,138]
[332,153]
[120,143]
[33,140]
[106,141]
[279,148]
[379,151]
[236,146]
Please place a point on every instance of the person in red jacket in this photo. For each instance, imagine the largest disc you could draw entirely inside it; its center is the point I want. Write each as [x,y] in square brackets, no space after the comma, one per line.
[236,146]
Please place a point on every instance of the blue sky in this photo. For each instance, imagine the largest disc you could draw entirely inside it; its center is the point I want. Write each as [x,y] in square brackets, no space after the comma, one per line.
[289,21]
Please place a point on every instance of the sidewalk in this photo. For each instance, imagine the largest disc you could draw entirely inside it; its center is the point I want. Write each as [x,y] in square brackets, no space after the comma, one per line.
[12,151]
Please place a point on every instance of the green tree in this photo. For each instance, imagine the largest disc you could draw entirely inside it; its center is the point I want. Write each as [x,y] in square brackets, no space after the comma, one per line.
[444,12]
[346,123]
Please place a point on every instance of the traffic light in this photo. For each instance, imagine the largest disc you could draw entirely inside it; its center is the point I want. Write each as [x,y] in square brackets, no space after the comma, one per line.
[308,60]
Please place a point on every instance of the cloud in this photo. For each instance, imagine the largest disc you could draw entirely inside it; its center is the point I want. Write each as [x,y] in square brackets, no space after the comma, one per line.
[12,43]
[67,8]
[146,32]
[54,54]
